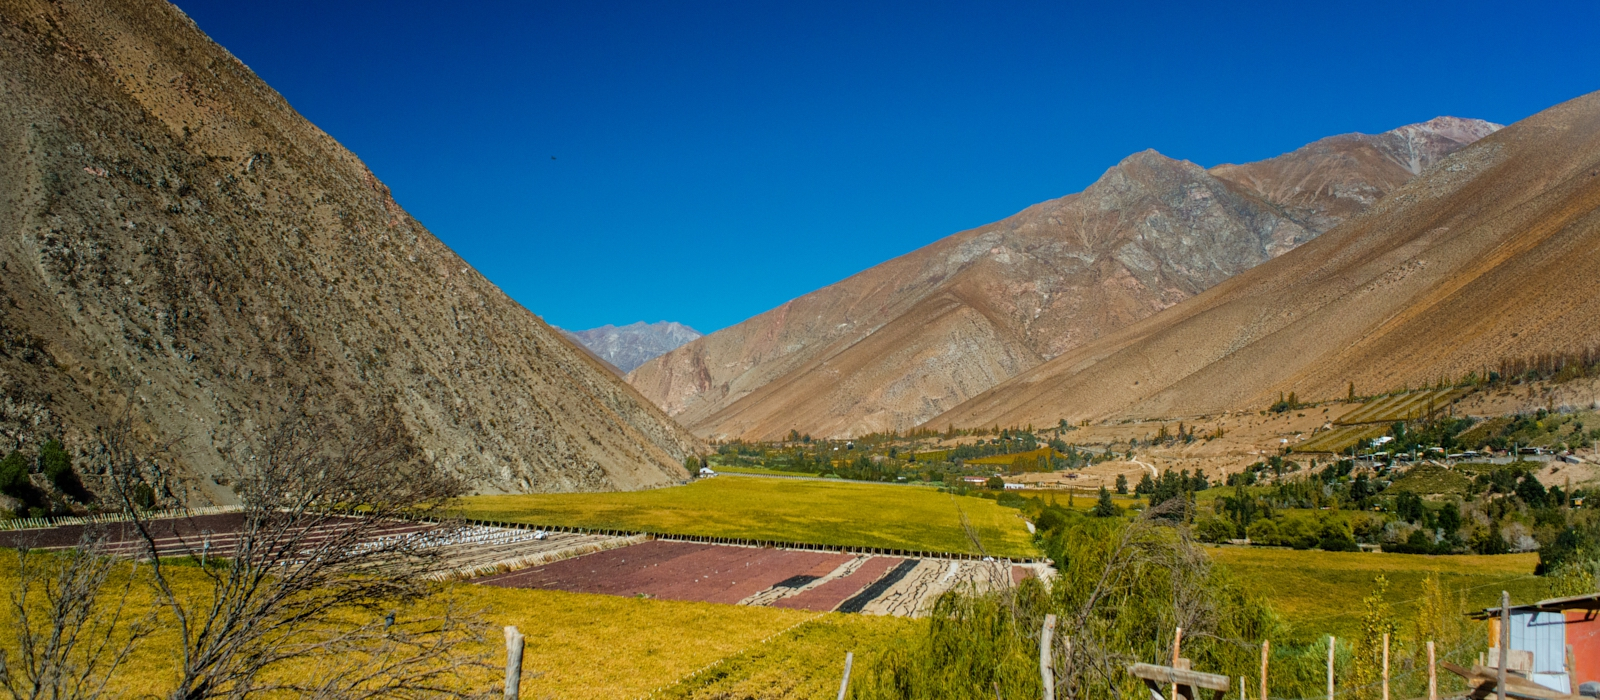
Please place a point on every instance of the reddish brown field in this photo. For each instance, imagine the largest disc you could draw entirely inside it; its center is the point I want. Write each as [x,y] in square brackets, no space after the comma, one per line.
[675,571]
[829,595]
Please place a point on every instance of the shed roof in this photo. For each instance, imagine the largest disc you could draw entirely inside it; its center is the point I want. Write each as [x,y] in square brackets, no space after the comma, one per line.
[1587,601]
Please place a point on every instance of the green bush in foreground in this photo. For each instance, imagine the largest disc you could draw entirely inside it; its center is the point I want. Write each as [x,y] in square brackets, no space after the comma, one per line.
[1122,590]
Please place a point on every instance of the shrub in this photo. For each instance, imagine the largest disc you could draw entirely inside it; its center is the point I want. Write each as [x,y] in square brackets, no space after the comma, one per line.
[57,465]
[1214,530]
[1336,536]
[14,477]
[1263,532]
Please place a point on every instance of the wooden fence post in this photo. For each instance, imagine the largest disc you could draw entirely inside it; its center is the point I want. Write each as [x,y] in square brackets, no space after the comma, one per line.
[1385,666]
[1266,648]
[1433,678]
[1505,645]
[1331,646]
[513,663]
[1177,643]
[844,685]
[1047,671]
[1066,655]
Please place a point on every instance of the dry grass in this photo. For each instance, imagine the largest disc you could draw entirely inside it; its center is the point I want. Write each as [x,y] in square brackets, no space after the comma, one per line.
[582,646]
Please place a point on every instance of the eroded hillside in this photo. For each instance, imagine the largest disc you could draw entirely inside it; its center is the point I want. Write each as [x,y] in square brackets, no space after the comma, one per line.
[898,344]
[1492,255]
[179,240]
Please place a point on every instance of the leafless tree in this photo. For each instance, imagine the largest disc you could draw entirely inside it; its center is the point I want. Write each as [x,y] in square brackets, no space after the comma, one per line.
[325,545]
[70,626]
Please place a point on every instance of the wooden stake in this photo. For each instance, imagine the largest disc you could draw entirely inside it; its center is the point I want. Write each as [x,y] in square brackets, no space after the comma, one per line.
[1066,655]
[514,643]
[1385,666]
[1266,647]
[844,685]
[1332,644]
[1505,645]
[1177,642]
[1433,678]
[1047,671]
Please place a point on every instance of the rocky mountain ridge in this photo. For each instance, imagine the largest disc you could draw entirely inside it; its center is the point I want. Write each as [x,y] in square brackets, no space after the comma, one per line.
[1492,254]
[911,338]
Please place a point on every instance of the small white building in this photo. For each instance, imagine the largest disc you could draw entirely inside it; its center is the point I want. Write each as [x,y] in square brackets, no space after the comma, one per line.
[706,471]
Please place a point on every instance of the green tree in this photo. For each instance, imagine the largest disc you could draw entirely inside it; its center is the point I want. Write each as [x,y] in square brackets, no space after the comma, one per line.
[1122,484]
[14,476]
[57,465]
[1104,508]
[995,483]
[1377,620]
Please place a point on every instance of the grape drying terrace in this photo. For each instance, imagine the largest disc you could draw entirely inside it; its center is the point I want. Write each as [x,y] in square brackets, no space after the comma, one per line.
[613,563]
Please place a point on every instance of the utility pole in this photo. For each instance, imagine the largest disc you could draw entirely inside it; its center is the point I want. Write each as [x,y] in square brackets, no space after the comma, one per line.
[1505,645]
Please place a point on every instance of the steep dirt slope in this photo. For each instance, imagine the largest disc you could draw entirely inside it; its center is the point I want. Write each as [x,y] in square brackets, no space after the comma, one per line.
[1494,253]
[904,341]
[175,235]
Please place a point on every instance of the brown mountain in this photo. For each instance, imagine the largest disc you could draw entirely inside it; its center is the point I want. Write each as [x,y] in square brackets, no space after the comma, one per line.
[175,235]
[902,342]
[1492,254]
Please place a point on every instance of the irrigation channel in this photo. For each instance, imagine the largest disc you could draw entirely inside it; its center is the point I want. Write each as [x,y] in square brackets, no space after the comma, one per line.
[612,562]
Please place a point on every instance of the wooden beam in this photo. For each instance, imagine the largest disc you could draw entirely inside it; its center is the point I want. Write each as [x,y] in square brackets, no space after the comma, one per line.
[1167,675]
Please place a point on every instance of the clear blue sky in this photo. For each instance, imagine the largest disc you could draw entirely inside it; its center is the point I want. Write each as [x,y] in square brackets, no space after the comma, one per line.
[713,160]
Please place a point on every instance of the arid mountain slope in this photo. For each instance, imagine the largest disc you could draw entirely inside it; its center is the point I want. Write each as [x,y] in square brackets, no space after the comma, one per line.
[177,237]
[1494,253]
[913,337]
[629,346]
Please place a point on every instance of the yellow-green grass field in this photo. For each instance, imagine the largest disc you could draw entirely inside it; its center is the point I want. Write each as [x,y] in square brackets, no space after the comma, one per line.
[579,646]
[762,471]
[1319,592]
[1009,459]
[793,510]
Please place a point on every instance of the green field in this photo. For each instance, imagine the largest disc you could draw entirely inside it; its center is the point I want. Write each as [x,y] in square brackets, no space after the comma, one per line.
[792,510]
[759,470]
[1319,592]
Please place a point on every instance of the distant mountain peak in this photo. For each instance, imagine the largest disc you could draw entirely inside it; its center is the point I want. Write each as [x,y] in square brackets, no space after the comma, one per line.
[627,347]
[1456,129]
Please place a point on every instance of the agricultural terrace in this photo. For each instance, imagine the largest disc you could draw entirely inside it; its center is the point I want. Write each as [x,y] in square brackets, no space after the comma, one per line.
[790,510]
